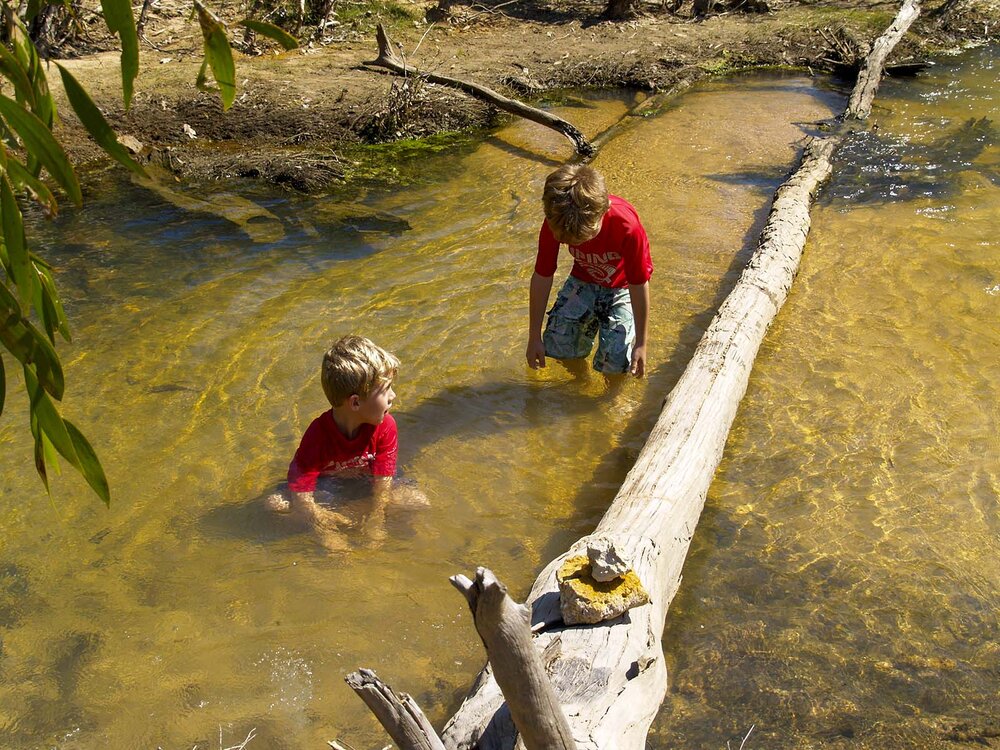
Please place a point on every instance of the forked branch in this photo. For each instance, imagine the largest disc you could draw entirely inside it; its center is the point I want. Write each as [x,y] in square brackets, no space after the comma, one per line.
[400,715]
[517,666]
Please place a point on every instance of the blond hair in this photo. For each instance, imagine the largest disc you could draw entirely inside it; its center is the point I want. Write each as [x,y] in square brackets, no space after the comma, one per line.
[355,365]
[575,200]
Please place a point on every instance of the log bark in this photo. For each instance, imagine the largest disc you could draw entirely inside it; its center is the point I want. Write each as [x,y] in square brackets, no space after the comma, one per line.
[611,678]
[388,58]
[517,665]
[400,715]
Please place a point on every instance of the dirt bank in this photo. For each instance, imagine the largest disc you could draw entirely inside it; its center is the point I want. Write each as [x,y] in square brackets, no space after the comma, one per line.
[302,118]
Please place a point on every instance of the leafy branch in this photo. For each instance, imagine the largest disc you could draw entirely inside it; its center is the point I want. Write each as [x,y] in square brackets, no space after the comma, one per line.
[31,313]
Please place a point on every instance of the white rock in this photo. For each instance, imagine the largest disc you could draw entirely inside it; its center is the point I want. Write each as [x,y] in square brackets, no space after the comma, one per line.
[605,562]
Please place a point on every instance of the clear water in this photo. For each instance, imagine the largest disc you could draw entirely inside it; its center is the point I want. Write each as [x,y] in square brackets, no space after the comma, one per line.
[844,576]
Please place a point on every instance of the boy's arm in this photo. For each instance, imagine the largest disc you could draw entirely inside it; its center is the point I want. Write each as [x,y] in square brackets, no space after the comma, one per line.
[538,299]
[639,296]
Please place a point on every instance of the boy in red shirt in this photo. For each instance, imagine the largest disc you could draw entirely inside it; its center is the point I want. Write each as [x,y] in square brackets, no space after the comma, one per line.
[355,438]
[607,292]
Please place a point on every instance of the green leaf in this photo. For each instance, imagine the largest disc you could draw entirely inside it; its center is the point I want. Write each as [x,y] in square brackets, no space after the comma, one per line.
[39,143]
[51,296]
[3,386]
[19,264]
[89,465]
[120,21]
[24,51]
[13,71]
[95,123]
[48,419]
[29,345]
[22,179]
[40,451]
[271,31]
[218,55]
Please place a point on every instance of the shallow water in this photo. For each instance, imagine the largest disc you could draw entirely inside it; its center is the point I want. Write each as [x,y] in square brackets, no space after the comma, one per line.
[853,525]
[843,585]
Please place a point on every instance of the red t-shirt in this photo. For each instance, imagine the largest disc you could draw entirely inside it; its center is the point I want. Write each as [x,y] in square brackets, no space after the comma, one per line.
[325,450]
[616,257]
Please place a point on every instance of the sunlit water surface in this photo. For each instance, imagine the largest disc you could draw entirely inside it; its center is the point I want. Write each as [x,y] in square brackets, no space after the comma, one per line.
[842,583]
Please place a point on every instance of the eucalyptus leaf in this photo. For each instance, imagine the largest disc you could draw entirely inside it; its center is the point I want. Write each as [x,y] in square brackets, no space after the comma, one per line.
[12,70]
[218,55]
[19,264]
[88,463]
[95,123]
[40,460]
[22,179]
[39,143]
[118,16]
[271,31]
[51,296]
[29,345]
[3,385]
[48,419]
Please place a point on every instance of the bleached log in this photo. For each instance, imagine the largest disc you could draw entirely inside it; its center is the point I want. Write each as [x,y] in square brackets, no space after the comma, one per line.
[388,58]
[400,715]
[611,678]
[517,665]
[860,105]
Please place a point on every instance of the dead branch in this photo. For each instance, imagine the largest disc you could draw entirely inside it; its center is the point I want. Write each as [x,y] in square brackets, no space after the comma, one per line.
[504,629]
[388,58]
[400,715]
[611,678]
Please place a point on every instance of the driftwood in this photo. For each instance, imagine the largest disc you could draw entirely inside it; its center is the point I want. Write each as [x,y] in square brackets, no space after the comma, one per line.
[611,678]
[390,59]
[400,715]
[517,664]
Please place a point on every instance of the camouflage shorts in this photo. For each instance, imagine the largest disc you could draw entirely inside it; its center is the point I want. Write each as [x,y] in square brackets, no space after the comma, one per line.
[583,311]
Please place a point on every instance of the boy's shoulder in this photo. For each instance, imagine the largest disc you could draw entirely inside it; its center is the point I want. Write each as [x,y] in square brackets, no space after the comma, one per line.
[623,216]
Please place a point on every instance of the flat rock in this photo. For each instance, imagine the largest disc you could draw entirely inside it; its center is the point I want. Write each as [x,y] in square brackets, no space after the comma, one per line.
[582,600]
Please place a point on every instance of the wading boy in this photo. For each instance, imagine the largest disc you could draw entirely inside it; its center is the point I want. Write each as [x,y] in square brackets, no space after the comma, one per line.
[355,438]
[607,292]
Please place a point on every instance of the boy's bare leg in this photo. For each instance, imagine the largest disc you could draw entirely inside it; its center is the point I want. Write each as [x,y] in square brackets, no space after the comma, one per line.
[578,368]
[305,507]
[373,526]
[331,539]
[406,494]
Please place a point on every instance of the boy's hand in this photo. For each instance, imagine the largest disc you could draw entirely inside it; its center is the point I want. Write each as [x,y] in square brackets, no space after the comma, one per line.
[638,367]
[535,354]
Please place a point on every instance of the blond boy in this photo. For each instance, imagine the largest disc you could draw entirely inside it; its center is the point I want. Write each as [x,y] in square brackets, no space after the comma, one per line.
[607,292]
[356,437]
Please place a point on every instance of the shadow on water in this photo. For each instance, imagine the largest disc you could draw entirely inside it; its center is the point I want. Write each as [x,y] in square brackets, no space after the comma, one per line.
[488,409]
[874,168]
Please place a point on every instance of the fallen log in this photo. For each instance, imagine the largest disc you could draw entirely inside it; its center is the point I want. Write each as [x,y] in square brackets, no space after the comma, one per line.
[860,105]
[610,678]
[388,58]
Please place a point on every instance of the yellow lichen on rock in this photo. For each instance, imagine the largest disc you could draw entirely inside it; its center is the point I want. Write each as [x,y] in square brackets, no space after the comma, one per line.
[583,600]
